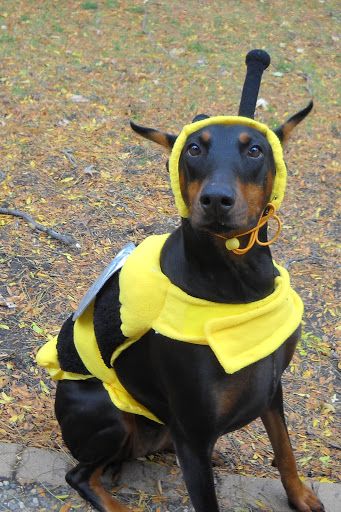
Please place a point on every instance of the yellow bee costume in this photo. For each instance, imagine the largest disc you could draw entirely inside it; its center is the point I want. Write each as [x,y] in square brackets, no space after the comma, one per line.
[238,334]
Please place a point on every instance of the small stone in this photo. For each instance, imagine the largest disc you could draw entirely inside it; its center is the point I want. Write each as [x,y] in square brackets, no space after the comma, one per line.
[175,52]
[78,98]
[63,122]
[89,169]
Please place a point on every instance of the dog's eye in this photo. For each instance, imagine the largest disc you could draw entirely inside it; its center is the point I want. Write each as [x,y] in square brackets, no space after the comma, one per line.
[194,150]
[255,151]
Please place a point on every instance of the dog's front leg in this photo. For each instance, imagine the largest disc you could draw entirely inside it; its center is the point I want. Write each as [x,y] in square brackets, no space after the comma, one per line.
[299,496]
[196,465]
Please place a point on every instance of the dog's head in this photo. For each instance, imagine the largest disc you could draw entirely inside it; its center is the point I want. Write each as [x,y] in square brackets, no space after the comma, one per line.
[226,172]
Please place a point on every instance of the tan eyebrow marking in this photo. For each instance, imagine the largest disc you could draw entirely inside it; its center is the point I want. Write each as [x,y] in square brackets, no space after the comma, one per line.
[244,138]
[205,136]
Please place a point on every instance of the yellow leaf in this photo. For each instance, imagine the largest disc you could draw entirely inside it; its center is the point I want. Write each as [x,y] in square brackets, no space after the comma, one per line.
[16,418]
[261,505]
[6,398]
[328,408]
[36,328]
[44,388]
[256,456]
[66,180]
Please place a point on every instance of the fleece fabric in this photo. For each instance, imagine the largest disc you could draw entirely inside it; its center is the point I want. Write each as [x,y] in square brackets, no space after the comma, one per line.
[238,334]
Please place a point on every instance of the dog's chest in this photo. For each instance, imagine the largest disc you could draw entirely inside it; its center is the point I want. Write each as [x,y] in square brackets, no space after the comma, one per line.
[187,382]
[240,397]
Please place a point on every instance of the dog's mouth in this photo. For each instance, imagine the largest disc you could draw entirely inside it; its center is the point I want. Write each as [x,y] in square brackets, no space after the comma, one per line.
[226,226]
[216,227]
[219,228]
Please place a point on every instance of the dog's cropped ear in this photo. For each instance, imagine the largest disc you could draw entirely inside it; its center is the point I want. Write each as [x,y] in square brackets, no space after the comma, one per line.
[200,117]
[165,139]
[284,131]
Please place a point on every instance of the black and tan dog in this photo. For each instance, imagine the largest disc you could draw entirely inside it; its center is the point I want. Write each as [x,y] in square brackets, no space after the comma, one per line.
[226,178]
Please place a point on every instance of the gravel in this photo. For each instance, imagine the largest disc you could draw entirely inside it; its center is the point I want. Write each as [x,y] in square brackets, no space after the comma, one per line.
[15,497]
[36,498]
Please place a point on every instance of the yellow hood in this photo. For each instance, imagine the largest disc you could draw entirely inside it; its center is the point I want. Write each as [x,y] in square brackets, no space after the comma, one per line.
[281,172]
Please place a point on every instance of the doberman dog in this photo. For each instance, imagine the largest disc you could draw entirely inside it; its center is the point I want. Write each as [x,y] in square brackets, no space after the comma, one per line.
[226,175]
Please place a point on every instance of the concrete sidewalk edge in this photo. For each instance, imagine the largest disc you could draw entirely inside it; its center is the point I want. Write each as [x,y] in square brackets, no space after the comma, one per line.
[35,465]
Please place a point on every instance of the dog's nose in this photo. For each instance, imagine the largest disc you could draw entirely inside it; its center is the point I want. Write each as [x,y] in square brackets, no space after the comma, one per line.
[215,201]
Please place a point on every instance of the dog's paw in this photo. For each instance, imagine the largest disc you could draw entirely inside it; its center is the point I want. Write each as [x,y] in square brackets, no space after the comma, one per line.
[304,499]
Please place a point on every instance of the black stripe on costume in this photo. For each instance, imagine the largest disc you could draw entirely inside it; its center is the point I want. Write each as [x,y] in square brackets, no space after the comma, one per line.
[68,357]
[107,320]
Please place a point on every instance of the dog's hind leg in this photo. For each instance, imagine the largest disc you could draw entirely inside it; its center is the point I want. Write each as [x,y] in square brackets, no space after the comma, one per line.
[300,497]
[96,433]
[86,479]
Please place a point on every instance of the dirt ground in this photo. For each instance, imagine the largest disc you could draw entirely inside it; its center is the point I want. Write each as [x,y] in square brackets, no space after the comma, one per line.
[72,75]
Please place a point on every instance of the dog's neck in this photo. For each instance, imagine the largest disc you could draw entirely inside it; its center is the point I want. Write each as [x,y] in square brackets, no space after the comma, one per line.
[199,264]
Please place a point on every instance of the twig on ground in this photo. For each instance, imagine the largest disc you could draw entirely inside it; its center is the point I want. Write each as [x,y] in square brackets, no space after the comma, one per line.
[65,239]
[69,155]
[313,259]
[309,83]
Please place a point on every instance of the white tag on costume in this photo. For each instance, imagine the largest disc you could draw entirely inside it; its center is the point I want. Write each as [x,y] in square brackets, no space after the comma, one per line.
[113,267]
